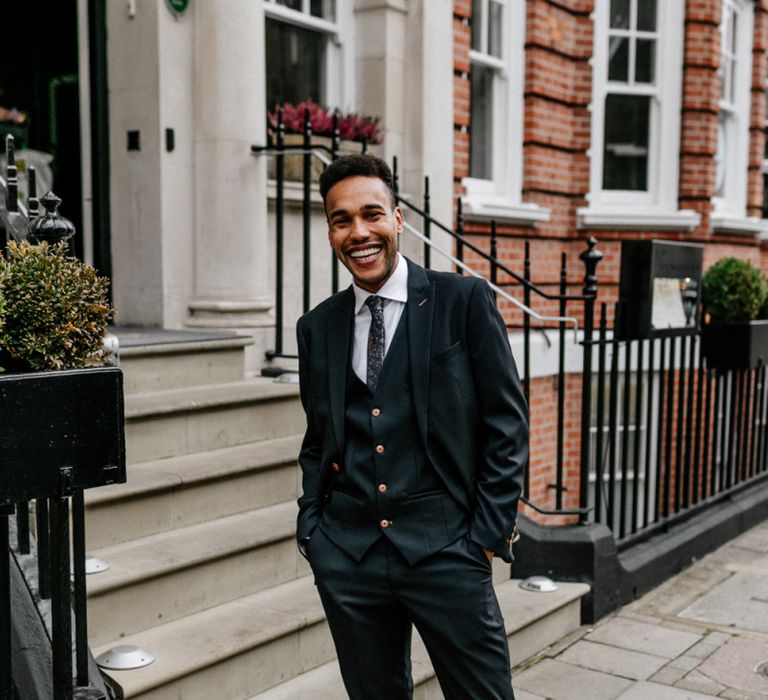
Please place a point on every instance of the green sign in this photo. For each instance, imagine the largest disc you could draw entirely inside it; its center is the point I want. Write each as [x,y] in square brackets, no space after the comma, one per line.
[177,7]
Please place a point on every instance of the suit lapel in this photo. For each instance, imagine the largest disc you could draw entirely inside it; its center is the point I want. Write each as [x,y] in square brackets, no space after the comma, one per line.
[421,304]
[339,333]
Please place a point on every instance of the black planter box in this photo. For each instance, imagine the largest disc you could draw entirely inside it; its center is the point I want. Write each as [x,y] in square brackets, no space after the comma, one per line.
[53,420]
[736,345]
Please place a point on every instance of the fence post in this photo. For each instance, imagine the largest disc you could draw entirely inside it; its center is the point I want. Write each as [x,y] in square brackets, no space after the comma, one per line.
[590,257]
[6,669]
[427,222]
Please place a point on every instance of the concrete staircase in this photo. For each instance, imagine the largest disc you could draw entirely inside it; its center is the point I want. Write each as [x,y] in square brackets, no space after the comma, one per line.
[204,568]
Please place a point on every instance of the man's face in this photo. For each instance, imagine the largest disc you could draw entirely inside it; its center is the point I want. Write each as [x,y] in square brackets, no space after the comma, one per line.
[364,229]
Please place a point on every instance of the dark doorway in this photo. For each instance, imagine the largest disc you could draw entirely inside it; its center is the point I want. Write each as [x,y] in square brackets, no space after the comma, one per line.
[39,77]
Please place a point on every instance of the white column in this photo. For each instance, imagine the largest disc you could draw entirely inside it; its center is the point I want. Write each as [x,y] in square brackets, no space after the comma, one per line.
[405,75]
[231,289]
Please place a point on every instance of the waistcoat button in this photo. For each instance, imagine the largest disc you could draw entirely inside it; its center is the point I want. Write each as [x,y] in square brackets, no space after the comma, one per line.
[382,488]
[385,523]
[376,412]
[335,467]
[380,449]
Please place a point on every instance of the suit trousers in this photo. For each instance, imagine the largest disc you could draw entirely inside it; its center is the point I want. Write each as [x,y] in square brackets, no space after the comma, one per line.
[372,604]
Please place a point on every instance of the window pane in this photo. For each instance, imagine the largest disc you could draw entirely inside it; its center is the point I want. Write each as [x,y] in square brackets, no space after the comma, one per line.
[619,14]
[293,4]
[646,15]
[323,8]
[477,24]
[495,25]
[645,59]
[618,58]
[765,196]
[720,155]
[625,157]
[480,141]
[294,63]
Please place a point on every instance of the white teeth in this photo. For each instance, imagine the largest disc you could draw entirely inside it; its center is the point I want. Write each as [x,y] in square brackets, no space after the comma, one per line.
[364,253]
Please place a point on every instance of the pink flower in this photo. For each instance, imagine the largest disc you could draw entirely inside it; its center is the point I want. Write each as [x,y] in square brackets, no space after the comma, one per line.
[352,127]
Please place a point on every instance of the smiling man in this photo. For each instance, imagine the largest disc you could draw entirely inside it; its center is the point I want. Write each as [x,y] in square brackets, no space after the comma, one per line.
[413,456]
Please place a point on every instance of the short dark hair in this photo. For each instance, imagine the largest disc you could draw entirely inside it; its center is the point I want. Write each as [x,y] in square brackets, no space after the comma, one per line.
[362,164]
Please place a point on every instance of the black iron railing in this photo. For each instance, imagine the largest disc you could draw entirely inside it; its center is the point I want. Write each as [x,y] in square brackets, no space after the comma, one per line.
[671,435]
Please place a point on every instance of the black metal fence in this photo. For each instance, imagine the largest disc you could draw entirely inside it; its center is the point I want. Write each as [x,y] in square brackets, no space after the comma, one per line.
[670,434]
[46,555]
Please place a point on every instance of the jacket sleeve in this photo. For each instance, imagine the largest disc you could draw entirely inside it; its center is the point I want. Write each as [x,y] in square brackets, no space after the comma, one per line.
[310,456]
[503,416]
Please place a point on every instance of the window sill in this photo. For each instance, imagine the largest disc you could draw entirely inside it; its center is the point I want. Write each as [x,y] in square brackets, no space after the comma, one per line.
[632,220]
[739,225]
[485,207]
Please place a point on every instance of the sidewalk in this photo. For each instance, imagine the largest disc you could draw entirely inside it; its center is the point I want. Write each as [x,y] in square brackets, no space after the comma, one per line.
[702,634]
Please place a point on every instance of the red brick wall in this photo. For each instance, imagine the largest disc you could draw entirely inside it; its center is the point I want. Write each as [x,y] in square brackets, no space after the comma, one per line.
[556,139]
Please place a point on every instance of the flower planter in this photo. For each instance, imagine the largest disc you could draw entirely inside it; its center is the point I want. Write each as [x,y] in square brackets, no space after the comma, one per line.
[736,345]
[54,420]
[294,163]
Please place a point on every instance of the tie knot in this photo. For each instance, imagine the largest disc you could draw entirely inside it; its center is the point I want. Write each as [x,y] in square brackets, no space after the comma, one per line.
[375,303]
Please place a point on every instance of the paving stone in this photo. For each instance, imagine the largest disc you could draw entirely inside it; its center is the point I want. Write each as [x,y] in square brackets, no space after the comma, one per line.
[685,662]
[653,691]
[735,665]
[669,675]
[741,601]
[609,659]
[755,539]
[718,638]
[524,695]
[639,617]
[560,681]
[566,641]
[735,694]
[639,636]
[699,682]
[702,650]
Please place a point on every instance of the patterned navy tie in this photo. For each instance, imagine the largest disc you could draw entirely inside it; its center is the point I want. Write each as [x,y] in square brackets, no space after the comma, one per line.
[375,340]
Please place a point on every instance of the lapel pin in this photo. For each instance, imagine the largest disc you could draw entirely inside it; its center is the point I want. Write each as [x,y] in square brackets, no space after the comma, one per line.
[423,301]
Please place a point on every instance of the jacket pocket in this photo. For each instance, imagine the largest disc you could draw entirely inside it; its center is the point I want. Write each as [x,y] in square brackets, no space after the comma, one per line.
[444,355]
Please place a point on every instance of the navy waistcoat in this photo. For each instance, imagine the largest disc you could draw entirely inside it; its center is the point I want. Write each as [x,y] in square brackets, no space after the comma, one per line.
[387,486]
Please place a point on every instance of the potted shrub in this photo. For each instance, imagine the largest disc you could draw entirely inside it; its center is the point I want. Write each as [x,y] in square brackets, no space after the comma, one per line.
[733,295]
[59,408]
[354,131]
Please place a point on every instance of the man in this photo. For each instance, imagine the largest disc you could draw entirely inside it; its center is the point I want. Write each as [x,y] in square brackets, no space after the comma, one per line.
[413,456]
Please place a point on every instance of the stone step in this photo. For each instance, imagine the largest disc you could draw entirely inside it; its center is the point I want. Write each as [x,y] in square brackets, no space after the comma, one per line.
[275,645]
[199,419]
[178,491]
[232,650]
[533,621]
[171,575]
[174,362]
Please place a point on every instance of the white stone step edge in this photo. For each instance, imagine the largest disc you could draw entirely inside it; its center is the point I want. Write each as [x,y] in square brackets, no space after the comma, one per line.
[161,554]
[198,468]
[190,399]
[185,348]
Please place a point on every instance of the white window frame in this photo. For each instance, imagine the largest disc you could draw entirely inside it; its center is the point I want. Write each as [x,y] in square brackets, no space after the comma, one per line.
[732,205]
[338,89]
[500,196]
[656,207]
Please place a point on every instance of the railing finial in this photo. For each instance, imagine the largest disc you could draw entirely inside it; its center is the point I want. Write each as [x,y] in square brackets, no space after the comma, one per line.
[591,257]
[12,188]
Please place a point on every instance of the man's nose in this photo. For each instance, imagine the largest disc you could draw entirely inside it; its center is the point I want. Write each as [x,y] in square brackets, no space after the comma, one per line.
[360,229]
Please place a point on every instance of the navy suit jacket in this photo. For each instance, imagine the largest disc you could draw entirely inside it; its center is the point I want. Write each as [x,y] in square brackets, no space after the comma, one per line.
[472,416]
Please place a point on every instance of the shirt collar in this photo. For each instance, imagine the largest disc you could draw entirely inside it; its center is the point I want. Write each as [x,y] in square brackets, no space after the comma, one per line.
[395,288]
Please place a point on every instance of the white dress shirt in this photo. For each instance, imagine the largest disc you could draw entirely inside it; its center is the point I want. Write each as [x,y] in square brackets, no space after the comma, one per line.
[395,289]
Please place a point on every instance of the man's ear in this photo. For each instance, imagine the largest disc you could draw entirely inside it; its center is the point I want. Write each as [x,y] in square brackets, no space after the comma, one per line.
[399,220]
